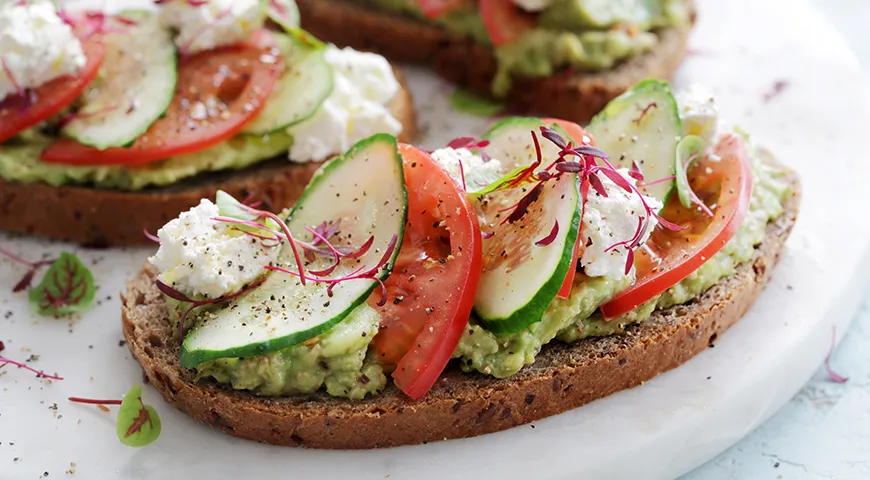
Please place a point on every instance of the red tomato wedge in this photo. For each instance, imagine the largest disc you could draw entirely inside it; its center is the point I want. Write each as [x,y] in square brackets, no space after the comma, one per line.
[217,93]
[669,257]
[580,137]
[436,8]
[431,291]
[504,20]
[18,114]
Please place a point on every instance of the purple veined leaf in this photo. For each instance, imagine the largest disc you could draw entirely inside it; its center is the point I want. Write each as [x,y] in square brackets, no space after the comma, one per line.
[635,172]
[550,236]
[596,185]
[616,178]
[172,293]
[569,167]
[553,137]
[590,151]
[629,261]
[543,176]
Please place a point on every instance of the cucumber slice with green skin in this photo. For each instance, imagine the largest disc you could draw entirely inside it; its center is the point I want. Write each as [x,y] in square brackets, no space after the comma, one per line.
[305,84]
[519,278]
[642,125]
[365,190]
[134,88]
[283,12]
[689,149]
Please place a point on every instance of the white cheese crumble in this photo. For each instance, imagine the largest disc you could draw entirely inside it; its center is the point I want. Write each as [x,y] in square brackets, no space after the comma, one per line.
[199,256]
[699,113]
[213,24]
[356,109]
[610,220]
[533,5]
[36,46]
[478,173]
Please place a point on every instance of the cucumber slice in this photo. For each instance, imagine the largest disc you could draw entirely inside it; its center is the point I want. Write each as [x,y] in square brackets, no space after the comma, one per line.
[364,189]
[305,84]
[519,278]
[135,85]
[283,12]
[643,125]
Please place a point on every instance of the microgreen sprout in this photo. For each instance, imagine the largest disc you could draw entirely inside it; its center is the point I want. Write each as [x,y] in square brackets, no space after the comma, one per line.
[64,120]
[584,162]
[358,274]
[27,279]
[138,424]
[471,143]
[194,304]
[550,236]
[150,236]
[67,288]
[9,75]
[39,374]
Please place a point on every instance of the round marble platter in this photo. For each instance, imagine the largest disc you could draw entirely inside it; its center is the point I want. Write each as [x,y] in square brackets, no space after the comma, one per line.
[777,68]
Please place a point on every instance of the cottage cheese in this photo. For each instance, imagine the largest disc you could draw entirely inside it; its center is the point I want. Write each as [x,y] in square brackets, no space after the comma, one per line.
[199,256]
[699,113]
[36,46]
[356,109]
[533,5]
[213,24]
[478,173]
[609,220]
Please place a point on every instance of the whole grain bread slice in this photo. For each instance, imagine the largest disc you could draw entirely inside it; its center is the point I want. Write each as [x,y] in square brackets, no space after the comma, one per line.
[463,61]
[104,217]
[460,404]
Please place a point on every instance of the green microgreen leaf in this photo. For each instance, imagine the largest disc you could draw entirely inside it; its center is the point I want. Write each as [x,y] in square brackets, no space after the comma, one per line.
[138,424]
[67,288]
[465,101]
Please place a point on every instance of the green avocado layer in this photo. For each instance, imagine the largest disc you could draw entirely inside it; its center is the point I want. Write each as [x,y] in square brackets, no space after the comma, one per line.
[19,162]
[341,362]
[586,35]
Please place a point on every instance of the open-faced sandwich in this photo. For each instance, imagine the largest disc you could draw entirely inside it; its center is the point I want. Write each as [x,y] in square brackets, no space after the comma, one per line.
[111,124]
[412,296]
[563,58]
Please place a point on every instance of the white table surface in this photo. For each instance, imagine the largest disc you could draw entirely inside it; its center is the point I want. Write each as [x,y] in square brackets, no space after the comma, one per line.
[824,431]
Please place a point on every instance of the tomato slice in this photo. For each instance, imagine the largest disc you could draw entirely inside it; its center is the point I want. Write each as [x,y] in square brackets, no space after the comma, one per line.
[504,20]
[580,137]
[18,114]
[436,8]
[217,93]
[431,291]
[669,256]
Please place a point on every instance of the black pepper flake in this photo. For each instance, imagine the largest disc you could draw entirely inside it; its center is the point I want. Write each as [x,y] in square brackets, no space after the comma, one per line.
[364,379]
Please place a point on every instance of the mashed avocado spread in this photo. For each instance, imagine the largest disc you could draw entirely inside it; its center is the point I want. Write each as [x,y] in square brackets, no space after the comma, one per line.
[586,35]
[19,162]
[339,360]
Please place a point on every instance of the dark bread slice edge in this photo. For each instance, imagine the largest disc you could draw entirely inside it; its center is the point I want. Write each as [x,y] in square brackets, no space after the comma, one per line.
[460,404]
[106,217]
[463,61]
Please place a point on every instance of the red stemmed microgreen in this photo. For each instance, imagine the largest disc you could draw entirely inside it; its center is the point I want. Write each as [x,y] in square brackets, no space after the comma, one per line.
[9,75]
[644,111]
[150,236]
[471,143]
[550,236]
[194,304]
[358,274]
[64,120]
[584,162]
[138,424]
[834,376]
[34,267]
[39,374]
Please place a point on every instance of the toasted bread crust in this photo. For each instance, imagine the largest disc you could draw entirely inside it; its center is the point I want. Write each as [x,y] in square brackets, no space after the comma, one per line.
[461,60]
[103,217]
[460,404]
